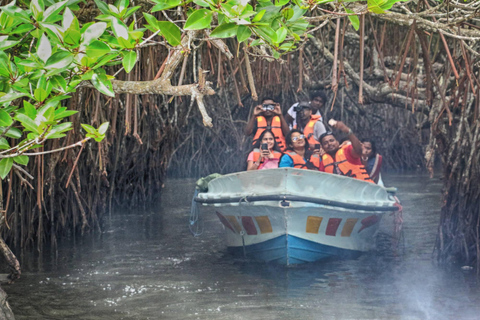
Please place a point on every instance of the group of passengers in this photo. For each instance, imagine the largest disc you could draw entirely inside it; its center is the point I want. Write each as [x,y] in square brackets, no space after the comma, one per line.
[300,139]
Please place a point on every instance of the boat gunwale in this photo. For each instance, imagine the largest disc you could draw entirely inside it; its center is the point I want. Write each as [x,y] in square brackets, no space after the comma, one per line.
[287,197]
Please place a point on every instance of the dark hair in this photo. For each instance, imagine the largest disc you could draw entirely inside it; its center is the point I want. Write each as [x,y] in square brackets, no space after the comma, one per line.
[374,147]
[258,143]
[323,135]
[288,140]
[268,98]
[320,94]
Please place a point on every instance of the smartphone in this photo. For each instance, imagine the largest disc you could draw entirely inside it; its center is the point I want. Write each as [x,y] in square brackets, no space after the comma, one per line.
[317,146]
[264,146]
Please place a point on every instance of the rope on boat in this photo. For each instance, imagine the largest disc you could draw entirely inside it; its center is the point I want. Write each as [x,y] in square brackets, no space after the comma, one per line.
[195,224]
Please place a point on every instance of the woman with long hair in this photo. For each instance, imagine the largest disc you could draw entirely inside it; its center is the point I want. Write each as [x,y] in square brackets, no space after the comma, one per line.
[297,154]
[265,153]
[372,160]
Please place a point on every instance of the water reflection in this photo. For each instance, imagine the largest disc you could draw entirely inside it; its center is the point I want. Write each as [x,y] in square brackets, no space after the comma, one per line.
[148,266]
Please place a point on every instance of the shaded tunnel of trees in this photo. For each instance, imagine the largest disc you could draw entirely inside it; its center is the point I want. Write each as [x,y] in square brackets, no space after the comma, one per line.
[418,100]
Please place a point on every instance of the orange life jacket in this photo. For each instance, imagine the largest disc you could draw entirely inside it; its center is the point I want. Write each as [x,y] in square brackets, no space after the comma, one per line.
[257,154]
[308,130]
[299,161]
[276,127]
[346,168]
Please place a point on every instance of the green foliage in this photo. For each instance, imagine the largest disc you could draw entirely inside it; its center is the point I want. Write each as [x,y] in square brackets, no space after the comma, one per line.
[46,52]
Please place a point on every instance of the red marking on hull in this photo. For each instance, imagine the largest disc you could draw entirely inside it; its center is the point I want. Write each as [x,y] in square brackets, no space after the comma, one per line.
[332,226]
[249,225]
[369,221]
[224,221]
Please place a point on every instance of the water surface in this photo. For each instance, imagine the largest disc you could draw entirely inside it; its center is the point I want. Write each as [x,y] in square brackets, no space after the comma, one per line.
[147,265]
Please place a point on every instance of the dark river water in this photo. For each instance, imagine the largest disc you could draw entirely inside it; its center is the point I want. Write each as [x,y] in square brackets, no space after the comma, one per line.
[147,265]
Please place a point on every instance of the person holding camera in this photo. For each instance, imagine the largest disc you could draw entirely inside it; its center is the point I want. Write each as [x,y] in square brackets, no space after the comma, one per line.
[269,116]
[298,155]
[265,154]
[311,125]
[317,101]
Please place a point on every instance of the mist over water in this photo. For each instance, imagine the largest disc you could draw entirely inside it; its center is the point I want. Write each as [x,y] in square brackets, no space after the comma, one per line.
[149,266]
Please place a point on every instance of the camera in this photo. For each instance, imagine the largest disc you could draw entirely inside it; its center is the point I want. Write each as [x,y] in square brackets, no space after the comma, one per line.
[264,146]
[301,106]
[268,107]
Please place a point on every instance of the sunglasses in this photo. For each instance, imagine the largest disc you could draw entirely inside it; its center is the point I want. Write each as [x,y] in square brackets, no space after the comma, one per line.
[294,139]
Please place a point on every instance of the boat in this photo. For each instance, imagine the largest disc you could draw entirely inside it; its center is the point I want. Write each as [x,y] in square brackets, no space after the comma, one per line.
[292,216]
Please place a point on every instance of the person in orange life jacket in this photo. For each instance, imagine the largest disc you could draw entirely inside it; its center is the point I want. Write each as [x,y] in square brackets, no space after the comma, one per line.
[311,125]
[317,101]
[268,115]
[298,154]
[372,160]
[345,160]
[261,158]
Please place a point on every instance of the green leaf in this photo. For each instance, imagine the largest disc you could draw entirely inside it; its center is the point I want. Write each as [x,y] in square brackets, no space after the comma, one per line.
[13,133]
[59,83]
[5,119]
[102,84]
[54,9]
[40,94]
[288,13]
[259,16]
[93,32]
[103,128]
[4,144]
[119,28]
[267,33]
[243,33]
[167,4]
[224,31]
[62,113]
[28,123]
[97,49]
[353,19]
[102,6]
[5,167]
[59,60]
[129,60]
[23,160]
[171,32]
[37,7]
[199,19]
[281,34]
[11,96]
[29,109]
[44,50]
[127,44]
[375,6]
[4,62]
[57,130]
[151,20]
[4,44]
[280,3]
[88,128]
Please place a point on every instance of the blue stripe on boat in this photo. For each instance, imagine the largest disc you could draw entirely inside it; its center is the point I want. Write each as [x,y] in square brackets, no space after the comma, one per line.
[296,249]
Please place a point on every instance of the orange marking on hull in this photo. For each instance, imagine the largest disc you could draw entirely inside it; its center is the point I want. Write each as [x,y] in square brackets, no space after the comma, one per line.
[313,224]
[233,221]
[264,224]
[348,227]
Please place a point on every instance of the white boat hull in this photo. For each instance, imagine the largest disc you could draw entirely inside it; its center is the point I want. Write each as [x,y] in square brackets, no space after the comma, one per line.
[288,227]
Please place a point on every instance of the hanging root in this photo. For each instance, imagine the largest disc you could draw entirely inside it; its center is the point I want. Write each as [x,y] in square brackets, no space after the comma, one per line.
[250,76]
